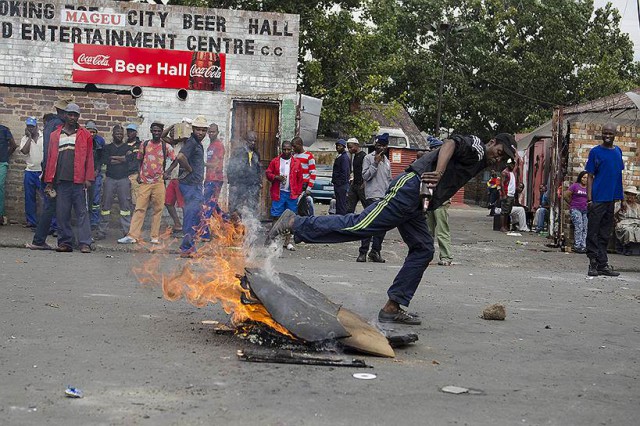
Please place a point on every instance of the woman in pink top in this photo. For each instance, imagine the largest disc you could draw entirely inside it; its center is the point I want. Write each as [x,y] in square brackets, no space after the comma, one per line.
[576,197]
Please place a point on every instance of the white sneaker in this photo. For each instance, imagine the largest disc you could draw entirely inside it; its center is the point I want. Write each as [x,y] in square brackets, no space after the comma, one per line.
[127,240]
[291,247]
[155,241]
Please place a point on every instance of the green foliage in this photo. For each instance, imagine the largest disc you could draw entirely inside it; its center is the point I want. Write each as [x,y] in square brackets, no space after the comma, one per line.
[508,62]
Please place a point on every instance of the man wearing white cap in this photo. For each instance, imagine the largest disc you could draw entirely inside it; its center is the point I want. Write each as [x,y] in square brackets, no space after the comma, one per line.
[70,172]
[191,161]
[31,146]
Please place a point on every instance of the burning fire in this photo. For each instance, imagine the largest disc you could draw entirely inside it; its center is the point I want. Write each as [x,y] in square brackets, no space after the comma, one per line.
[212,275]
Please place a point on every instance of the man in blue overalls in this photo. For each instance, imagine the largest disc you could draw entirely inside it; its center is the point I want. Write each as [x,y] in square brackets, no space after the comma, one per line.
[446,170]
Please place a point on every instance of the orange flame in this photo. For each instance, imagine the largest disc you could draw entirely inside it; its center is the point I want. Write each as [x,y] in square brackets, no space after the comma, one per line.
[210,276]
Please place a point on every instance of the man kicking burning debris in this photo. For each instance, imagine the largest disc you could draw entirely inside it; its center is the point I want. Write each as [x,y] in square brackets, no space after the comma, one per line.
[445,170]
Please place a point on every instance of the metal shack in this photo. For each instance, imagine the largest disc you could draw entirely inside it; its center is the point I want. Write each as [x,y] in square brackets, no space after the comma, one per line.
[131,62]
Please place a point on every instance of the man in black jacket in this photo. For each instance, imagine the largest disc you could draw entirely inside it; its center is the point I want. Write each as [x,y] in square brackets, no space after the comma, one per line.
[244,175]
[340,176]
[445,170]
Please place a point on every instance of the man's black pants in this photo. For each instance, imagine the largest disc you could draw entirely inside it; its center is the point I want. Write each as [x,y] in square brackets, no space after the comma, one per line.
[600,223]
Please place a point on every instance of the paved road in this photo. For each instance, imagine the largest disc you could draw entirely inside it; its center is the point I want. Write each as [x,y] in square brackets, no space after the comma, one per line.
[566,355]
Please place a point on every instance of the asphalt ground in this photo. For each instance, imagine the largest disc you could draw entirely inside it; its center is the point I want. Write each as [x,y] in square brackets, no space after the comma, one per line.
[567,353]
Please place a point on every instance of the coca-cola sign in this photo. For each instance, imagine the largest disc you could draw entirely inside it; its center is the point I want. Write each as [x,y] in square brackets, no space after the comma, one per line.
[131,66]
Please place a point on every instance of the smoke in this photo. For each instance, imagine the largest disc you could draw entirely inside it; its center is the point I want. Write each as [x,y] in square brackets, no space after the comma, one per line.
[257,255]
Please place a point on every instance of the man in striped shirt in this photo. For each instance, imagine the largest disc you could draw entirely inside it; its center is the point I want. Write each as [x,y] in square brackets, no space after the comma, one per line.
[308,168]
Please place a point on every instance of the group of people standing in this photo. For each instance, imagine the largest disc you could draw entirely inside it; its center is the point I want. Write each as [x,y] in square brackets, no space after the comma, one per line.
[78,172]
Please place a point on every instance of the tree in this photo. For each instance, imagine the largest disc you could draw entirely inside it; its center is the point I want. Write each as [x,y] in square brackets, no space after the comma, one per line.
[512,61]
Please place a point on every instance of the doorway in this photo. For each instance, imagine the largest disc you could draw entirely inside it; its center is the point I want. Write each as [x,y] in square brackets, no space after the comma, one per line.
[262,118]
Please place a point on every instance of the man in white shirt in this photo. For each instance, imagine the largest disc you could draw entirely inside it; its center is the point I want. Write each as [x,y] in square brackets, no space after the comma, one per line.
[31,145]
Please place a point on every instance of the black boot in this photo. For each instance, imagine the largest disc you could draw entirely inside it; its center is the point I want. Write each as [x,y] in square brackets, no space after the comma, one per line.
[374,256]
[593,269]
[608,271]
[362,257]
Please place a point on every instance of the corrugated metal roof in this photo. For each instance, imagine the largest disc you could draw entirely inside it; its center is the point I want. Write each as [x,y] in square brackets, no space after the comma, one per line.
[619,108]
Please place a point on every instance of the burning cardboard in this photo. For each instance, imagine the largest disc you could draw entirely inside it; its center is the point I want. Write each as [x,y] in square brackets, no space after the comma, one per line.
[310,316]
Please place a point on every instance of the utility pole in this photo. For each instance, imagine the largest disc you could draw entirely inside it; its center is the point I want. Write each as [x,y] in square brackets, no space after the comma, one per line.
[447,32]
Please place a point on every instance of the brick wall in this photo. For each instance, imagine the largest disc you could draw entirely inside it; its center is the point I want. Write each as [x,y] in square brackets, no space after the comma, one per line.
[18,103]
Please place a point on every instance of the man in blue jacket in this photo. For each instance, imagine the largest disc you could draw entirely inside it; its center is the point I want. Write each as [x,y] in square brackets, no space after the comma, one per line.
[340,176]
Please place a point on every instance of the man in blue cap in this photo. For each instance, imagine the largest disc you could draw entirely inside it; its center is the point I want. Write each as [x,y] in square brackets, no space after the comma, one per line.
[376,174]
[31,145]
[445,171]
[340,176]
[47,222]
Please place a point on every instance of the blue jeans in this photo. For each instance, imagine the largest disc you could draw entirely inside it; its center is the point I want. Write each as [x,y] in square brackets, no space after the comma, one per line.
[400,208]
[32,190]
[96,198]
[193,199]
[3,178]
[579,219]
[541,215]
[72,196]
[46,222]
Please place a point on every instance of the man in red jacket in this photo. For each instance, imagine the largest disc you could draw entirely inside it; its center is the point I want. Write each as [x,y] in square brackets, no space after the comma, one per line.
[285,174]
[68,174]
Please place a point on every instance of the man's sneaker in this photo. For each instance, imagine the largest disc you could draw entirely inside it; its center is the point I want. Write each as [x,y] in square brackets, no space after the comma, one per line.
[400,317]
[593,270]
[374,256]
[281,226]
[127,240]
[155,241]
[445,262]
[84,248]
[362,257]
[608,271]
[291,247]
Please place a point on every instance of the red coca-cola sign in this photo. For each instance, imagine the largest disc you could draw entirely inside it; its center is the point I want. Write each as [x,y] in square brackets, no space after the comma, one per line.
[132,66]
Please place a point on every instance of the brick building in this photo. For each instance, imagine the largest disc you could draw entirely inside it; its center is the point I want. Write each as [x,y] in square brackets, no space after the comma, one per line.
[556,152]
[252,86]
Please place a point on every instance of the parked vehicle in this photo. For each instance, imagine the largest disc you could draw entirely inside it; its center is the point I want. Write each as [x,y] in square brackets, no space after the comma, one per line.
[322,190]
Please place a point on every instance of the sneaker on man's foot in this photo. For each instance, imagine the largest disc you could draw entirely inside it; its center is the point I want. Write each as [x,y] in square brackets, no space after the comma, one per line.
[281,226]
[127,240]
[608,271]
[43,246]
[362,257]
[155,241]
[399,317]
[291,247]
[84,248]
[593,270]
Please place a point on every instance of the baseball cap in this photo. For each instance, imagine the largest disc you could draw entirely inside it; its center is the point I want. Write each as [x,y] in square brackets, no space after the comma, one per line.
[434,142]
[31,121]
[509,144]
[91,125]
[341,142]
[157,123]
[72,108]
[132,126]
[383,139]
[353,140]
